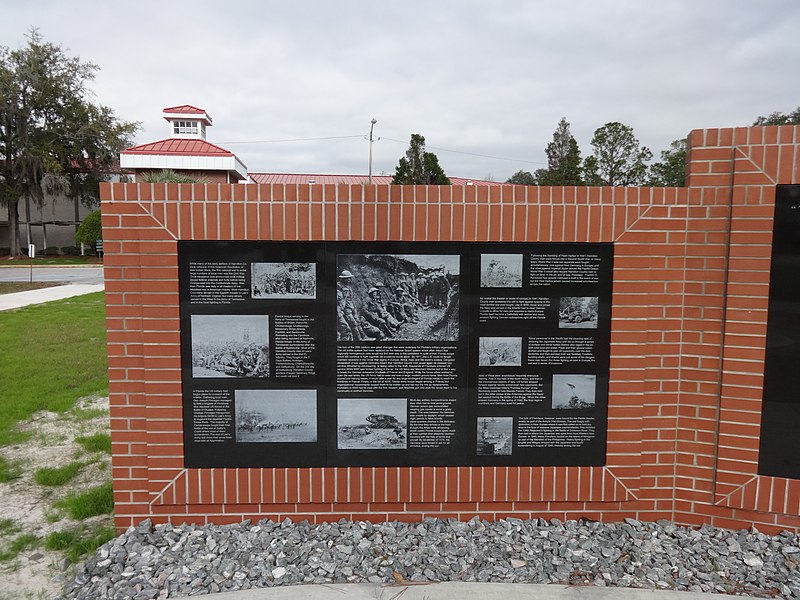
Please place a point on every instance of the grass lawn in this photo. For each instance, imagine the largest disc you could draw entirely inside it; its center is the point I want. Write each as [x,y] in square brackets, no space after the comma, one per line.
[52,354]
[23,261]
[9,287]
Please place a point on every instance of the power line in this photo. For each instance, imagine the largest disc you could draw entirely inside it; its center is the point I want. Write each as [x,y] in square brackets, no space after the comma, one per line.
[343,137]
[311,139]
[533,162]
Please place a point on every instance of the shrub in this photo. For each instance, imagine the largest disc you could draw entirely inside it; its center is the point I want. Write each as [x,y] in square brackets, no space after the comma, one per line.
[50,251]
[70,251]
[5,251]
[170,176]
[90,230]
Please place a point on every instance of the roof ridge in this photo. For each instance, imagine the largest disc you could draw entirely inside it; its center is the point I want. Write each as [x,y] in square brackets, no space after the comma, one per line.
[184,142]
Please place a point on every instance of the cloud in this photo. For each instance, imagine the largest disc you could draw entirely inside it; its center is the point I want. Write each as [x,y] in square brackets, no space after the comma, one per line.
[490,79]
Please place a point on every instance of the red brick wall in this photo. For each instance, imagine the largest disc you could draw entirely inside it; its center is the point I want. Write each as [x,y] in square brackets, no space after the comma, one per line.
[691,277]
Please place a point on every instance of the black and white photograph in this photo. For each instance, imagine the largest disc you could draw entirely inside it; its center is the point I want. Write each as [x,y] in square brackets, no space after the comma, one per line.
[495,436]
[501,270]
[276,416]
[500,352]
[230,346]
[577,312]
[284,280]
[372,423]
[574,391]
[394,297]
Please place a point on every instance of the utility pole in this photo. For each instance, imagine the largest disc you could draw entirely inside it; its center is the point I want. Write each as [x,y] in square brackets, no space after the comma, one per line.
[371,127]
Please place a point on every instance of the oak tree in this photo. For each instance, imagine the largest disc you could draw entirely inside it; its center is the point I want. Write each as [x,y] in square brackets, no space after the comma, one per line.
[53,138]
[618,159]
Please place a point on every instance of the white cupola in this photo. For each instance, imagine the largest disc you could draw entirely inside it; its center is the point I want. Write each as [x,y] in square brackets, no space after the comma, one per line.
[187,121]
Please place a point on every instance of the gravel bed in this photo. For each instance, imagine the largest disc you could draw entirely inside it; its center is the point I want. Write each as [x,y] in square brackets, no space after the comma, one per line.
[176,561]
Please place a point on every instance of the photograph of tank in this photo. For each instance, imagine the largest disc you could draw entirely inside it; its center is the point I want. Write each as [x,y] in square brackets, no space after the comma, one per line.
[577,312]
[500,352]
[393,297]
[495,436]
[501,270]
[230,346]
[284,280]
[574,391]
[276,415]
[372,423]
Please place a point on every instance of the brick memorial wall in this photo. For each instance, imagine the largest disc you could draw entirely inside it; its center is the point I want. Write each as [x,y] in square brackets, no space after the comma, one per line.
[679,398]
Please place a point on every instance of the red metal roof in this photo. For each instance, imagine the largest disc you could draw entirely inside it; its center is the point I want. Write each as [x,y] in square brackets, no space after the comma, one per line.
[296,178]
[185,109]
[179,147]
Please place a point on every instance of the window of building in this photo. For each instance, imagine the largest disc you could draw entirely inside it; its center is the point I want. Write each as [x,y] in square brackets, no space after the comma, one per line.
[185,127]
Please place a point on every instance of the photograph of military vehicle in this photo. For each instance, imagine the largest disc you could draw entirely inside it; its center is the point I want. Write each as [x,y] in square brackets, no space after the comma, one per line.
[577,312]
[372,423]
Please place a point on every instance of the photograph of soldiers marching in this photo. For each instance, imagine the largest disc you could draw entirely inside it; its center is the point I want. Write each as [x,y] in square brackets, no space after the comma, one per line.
[276,415]
[385,297]
[284,280]
[230,346]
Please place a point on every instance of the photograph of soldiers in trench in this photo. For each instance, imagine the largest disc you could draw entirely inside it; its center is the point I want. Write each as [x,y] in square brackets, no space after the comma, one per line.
[276,415]
[501,270]
[500,352]
[372,423]
[230,346]
[284,280]
[382,297]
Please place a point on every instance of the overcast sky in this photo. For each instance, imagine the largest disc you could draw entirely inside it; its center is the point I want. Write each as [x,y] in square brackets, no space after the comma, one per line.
[474,77]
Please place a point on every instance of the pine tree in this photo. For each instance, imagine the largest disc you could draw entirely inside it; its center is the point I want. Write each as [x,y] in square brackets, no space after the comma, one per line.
[563,158]
[419,167]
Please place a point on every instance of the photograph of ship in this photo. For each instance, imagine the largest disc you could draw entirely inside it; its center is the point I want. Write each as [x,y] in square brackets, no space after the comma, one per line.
[577,312]
[495,435]
[284,280]
[501,270]
[500,352]
[393,297]
[230,346]
[372,423]
[573,391]
[276,415]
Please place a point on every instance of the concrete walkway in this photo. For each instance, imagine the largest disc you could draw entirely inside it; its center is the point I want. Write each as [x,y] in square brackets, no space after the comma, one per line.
[20,299]
[456,591]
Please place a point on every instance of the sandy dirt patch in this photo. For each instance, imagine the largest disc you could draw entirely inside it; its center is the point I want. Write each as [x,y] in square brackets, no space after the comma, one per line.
[35,573]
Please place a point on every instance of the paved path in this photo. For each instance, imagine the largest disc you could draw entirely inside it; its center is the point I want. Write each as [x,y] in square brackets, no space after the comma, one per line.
[20,299]
[456,591]
[67,274]
[78,280]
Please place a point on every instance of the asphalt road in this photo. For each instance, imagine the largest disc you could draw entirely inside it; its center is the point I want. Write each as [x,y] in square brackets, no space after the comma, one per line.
[68,275]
